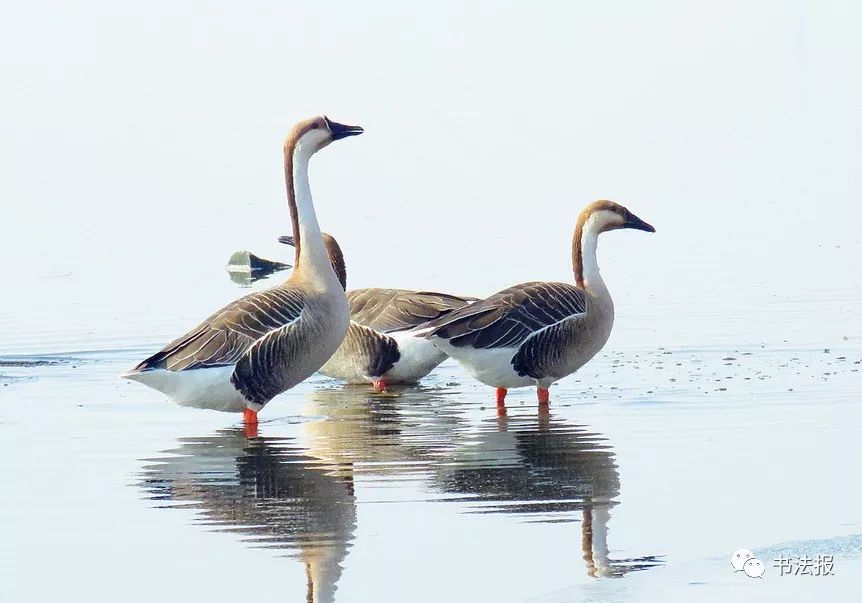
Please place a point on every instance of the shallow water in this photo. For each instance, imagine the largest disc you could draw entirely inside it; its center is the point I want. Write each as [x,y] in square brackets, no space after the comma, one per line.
[723,412]
[651,467]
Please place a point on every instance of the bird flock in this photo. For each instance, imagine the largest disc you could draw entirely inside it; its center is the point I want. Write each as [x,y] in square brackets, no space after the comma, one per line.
[261,345]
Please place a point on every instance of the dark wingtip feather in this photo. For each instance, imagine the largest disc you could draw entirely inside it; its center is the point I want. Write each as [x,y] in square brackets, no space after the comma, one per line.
[155,361]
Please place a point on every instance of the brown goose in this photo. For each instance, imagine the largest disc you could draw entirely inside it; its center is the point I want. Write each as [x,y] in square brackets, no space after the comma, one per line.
[537,333]
[381,346]
[263,344]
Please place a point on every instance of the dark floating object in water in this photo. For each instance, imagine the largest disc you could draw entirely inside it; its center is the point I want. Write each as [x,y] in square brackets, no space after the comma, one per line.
[22,361]
[29,362]
[25,363]
[245,267]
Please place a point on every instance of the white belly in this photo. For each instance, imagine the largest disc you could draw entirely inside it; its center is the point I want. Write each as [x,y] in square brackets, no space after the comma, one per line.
[208,388]
[418,358]
[490,366]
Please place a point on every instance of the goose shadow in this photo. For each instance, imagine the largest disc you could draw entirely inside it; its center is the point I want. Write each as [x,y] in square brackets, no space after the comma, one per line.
[543,469]
[267,491]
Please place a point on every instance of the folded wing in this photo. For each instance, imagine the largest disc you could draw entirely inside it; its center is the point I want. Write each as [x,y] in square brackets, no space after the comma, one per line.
[223,338]
[391,310]
[508,318]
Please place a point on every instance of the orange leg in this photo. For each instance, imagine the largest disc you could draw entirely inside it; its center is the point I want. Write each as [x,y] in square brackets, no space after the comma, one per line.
[543,395]
[501,397]
[380,385]
[249,420]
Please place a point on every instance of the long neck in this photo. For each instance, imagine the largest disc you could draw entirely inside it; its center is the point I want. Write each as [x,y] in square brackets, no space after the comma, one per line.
[584,262]
[336,258]
[310,257]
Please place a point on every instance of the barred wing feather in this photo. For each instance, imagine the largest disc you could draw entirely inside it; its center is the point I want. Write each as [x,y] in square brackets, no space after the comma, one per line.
[223,338]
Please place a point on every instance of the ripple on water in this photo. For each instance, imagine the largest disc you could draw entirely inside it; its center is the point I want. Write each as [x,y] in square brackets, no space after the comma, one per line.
[298,494]
[266,490]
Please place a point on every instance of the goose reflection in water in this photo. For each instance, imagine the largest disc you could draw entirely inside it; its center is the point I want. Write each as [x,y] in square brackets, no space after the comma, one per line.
[545,470]
[402,433]
[269,492]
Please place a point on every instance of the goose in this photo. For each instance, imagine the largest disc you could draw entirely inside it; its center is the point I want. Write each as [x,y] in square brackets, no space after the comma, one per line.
[381,346]
[265,343]
[536,333]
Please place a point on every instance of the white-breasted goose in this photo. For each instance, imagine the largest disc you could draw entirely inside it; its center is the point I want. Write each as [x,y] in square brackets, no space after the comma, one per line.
[263,344]
[381,346]
[537,333]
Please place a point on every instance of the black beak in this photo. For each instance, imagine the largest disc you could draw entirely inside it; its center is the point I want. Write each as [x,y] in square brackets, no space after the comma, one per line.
[634,222]
[286,239]
[340,131]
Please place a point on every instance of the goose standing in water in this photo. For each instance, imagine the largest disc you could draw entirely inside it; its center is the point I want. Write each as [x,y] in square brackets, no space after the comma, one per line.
[381,346]
[537,333]
[263,344]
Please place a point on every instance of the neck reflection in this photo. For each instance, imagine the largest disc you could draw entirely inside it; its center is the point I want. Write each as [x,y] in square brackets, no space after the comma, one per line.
[543,469]
[267,491]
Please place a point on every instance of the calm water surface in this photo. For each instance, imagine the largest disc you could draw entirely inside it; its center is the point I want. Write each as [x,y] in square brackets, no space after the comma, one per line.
[723,413]
[651,467]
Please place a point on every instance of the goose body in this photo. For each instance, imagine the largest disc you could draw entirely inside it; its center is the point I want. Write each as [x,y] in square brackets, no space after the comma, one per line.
[531,334]
[536,333]
[263,344]
[383,351]
[249,351]
[382,346]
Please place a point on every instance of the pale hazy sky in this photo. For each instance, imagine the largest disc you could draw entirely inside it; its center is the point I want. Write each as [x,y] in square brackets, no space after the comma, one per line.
[142,145]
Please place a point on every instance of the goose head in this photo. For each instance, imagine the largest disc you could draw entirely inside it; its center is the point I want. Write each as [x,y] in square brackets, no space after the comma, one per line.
[601,216]
[313,134]
[598,217]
